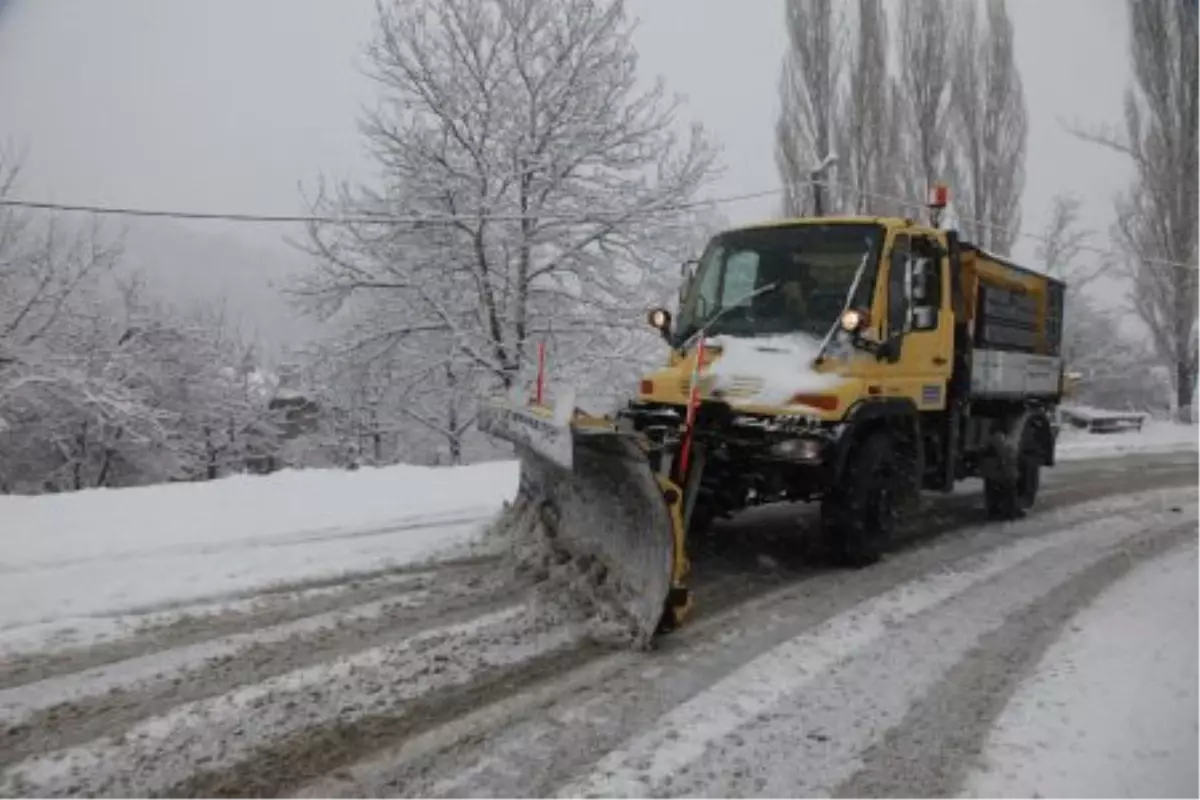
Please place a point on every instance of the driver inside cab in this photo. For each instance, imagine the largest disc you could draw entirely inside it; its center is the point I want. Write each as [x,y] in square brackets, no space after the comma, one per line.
[795,286]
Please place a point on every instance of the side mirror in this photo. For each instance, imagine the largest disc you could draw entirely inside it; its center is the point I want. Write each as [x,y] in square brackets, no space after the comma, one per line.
[919,289]
[919,276]
[660,320]
[923,318]
[687,272]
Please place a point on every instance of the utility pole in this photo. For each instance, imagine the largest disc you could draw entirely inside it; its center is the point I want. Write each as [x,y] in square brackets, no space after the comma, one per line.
[817,176]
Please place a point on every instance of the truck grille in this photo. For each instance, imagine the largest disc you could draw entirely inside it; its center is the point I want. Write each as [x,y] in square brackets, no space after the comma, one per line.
[739,388]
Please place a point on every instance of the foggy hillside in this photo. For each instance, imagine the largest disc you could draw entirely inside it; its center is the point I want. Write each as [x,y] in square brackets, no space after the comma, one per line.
[100,97]
[197,263]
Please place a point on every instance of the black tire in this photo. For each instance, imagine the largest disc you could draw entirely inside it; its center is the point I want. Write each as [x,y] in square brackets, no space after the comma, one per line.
[1012,493]
[860,516]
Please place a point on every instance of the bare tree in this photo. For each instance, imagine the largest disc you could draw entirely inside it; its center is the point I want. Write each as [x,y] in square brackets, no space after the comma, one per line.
[393,406]
[1063,241]
[923,102]
[43,269]
[807,129]
[1157,217]
[100,385]
[1092,342]
[55,393]
[989,110]
[872,142]
[540,177]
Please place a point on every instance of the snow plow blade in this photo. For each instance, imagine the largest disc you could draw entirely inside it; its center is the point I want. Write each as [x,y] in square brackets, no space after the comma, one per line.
[602,504]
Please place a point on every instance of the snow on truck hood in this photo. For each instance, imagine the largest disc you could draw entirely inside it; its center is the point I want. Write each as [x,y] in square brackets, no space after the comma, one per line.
[767,370]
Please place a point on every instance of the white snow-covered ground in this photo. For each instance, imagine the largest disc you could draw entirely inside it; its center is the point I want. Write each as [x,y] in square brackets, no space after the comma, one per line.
[78,567]
[193,670]
[80,561]
[1111,708]
[1155,437]
[727,717]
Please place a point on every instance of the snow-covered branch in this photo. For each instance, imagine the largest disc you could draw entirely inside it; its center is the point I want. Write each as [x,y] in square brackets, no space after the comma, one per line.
[988,107]
[1157,217]
[549,178]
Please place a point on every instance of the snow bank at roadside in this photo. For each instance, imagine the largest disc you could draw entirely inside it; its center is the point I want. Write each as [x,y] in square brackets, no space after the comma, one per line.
[1111,709]
[97,523]
[1154,437]
[74,566]
[102,552]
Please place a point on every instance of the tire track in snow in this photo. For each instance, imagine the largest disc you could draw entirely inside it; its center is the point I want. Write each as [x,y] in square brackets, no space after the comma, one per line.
[524,752]
[819,697]
[933,748]
[723,635]
[750,594]
[1110,709]
[286,766]
[721,577]
[274,605]
[815,737]
[72,709]
[162,753]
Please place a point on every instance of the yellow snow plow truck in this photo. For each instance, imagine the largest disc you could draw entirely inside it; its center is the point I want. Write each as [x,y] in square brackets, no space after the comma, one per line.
[850,361]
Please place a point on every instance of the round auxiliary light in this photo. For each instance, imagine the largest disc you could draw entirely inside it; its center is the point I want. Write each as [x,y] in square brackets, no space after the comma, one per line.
[852,320]
[659,318]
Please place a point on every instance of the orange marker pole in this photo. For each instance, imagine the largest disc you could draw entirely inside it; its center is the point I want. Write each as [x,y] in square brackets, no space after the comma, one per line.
[693,406]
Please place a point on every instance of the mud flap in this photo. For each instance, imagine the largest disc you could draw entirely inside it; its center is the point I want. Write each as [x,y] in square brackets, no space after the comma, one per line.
[605,505]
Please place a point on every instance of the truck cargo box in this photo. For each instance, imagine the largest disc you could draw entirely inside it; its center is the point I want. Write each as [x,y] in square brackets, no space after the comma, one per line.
[1016,320]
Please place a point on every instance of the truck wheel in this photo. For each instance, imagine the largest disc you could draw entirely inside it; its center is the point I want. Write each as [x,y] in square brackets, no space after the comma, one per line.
[860,516]
[1012,493]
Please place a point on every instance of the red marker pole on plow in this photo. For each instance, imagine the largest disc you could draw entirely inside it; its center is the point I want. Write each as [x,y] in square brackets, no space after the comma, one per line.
[693,406]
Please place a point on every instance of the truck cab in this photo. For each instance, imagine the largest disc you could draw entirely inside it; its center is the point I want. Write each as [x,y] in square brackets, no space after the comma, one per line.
[881,286]
[808,355]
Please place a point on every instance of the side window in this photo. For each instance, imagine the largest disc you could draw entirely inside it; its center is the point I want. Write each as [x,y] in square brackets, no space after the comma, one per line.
[741,277]
[897,307]
[927,251]
[710,282]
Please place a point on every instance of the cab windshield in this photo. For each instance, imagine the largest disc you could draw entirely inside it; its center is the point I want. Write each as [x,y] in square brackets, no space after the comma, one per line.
[811,265]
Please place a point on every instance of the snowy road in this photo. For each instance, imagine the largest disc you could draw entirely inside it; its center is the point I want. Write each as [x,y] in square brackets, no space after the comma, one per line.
[923,675]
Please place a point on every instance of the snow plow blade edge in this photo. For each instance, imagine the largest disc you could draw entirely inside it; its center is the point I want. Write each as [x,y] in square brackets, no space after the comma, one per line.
[606,504]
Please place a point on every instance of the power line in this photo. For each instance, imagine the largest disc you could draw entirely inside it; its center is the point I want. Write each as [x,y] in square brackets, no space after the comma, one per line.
[223,216]
[368,218]
[230,216]
[436,219]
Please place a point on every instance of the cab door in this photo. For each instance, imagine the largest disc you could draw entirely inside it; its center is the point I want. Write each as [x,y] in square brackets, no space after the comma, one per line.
[919,322]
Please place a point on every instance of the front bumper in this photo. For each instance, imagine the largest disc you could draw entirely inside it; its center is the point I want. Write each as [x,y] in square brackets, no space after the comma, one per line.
[791,438]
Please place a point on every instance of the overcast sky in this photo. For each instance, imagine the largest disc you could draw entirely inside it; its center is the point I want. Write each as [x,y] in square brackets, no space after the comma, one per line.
[231,104]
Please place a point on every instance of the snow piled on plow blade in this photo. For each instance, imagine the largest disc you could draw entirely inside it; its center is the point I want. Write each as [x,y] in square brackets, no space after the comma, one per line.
[596,537]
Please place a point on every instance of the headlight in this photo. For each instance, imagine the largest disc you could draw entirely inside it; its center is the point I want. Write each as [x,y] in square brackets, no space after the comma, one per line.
[854,320]
[659,319]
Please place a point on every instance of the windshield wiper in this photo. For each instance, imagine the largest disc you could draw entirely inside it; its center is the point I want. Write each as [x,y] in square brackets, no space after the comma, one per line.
[708,323]
[858,275]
